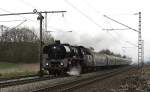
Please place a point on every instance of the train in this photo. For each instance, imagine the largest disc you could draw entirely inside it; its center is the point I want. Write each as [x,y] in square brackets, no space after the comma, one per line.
[61,58]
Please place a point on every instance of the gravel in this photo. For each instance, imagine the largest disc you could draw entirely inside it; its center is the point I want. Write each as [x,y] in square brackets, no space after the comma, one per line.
[130,81]
[31,86]
[107,85]
[36,85]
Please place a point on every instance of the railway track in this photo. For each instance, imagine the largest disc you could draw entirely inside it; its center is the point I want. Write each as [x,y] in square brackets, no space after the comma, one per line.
[23,80]
[68,86]
[16,77]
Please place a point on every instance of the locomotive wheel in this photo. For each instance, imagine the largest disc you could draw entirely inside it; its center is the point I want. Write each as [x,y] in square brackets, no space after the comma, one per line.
[49,72]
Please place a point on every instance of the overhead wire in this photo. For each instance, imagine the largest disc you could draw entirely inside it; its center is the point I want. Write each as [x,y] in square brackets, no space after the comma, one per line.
[114,37]
[11,20]
[25,18]
[121,40]
[88,4]
[29,4]
[19,24]
[35,7]
[19,15]
[107,21]
[89,18]
[92,19]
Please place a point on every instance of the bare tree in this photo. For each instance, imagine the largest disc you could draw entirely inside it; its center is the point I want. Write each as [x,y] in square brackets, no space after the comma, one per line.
[19,35]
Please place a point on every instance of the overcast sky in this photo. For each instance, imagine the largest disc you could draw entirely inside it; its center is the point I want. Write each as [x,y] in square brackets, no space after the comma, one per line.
[85,18]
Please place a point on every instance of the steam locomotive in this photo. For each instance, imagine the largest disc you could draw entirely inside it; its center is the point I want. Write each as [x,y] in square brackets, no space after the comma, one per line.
[63,58]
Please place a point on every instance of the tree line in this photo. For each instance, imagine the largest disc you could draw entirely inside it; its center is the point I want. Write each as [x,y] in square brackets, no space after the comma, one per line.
[21,45]
[108,52]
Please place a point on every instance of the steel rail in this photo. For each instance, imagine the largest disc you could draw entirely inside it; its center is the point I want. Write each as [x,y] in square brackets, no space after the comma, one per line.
[84,83]
[16,77]
[21,81]
[73,84]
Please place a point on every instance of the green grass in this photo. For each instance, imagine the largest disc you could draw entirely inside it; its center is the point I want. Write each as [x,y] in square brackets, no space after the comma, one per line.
[12,69]
[7,65]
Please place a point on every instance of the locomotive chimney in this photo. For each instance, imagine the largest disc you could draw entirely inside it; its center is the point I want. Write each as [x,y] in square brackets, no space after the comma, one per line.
[57,41]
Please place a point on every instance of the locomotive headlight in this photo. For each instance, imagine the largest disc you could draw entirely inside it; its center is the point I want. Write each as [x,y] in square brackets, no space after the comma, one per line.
[47,64]
[61,63]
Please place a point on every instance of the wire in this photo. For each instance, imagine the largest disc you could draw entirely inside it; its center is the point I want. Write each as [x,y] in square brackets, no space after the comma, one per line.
[91,6]
[115,38]
[131,43]
[122,14]
[112,29]
[11,20]
[89,18]
[28,4]
[4,10]
[18,25]
[21,23]
[19,15]
[30,19]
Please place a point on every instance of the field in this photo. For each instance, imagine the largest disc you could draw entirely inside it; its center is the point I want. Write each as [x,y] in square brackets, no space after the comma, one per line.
[14,69]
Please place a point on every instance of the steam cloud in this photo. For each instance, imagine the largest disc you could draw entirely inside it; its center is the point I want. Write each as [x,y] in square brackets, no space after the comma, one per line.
[74,71]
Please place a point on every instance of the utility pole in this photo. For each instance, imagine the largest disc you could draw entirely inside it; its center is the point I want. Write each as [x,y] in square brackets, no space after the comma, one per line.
[139,42]
[40,18]
[140,48]
[45,21]
[142,63]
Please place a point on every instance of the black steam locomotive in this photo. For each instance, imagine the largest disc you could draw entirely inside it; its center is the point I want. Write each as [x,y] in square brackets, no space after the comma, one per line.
[64,58]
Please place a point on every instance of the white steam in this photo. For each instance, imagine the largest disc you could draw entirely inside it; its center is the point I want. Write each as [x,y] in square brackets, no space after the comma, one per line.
[75,71]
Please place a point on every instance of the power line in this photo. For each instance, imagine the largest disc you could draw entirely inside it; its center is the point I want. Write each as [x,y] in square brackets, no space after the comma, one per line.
[29,4]
[27,18]
[18,24]
[19,15]
[111,29]
[120,23]
[89,18]
[11,20]
[34,7]
[4,10]
[91,6]
[114,37]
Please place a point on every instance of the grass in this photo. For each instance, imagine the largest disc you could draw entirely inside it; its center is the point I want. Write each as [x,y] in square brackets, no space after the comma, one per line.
[7,65]
[12,70]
